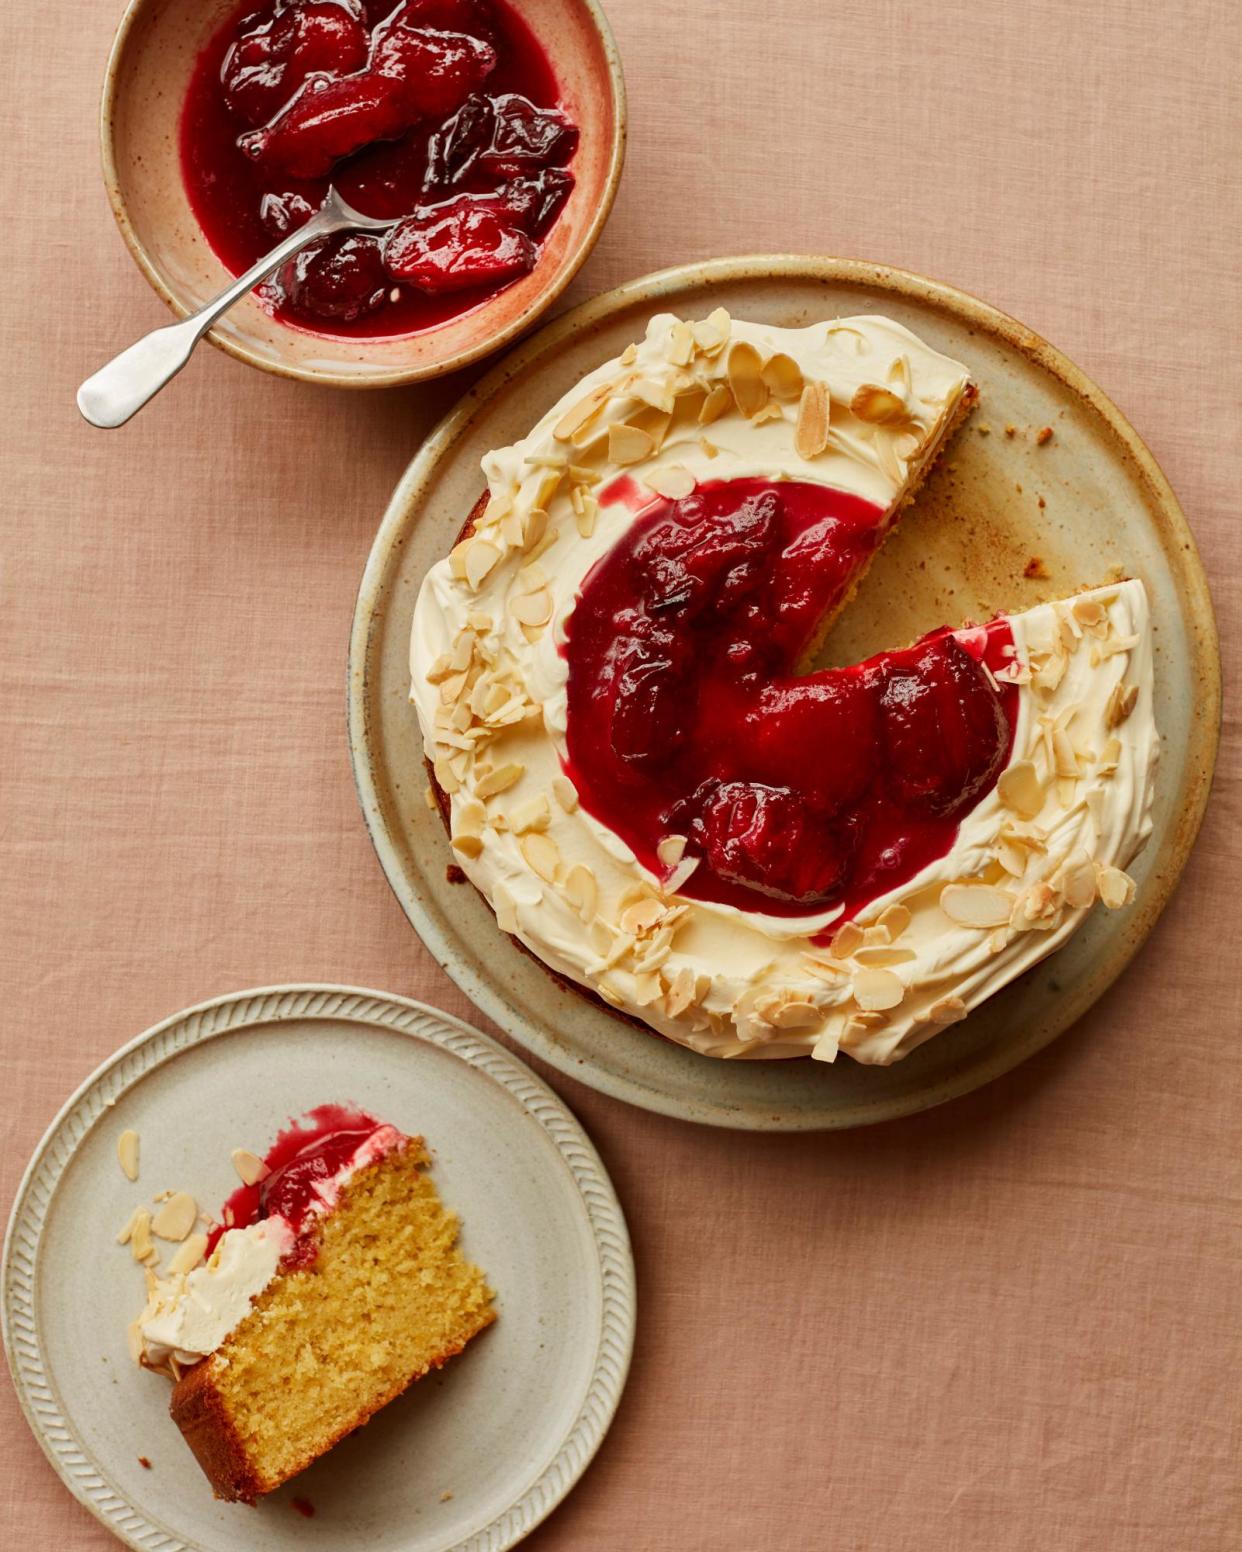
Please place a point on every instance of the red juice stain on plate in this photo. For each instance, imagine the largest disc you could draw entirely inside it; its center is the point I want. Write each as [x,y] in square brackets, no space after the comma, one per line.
[444,112]
[306,1153]
[304,1507]
[687,715]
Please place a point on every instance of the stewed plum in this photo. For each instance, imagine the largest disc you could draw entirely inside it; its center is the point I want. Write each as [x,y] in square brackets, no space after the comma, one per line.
[441,112]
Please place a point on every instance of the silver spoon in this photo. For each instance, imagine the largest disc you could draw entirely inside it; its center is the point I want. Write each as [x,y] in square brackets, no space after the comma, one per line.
[129,380]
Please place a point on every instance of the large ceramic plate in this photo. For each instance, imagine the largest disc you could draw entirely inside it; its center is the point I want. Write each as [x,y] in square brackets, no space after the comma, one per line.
[1090,500]
[471,1458]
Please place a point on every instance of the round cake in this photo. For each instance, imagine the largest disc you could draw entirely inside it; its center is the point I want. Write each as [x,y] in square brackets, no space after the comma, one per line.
[660,799]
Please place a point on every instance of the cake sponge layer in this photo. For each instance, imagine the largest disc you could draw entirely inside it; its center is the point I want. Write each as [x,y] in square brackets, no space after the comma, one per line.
[387,1298]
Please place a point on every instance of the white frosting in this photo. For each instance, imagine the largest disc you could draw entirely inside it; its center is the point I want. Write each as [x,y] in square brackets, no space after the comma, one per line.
[490,691]
[189,1314]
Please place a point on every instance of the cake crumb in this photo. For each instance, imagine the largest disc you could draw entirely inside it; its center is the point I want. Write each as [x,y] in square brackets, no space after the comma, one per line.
[1011,431]
[454,875]
[1043,436]
[429,797]
[304,1507]
[144,1462]
[1042,503]
[1035,569]
[127,1154]
[446,1495]
[984,430]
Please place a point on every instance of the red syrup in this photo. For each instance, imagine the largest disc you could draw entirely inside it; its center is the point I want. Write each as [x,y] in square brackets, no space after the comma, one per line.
[306,1153]
[685,715]
[446,112]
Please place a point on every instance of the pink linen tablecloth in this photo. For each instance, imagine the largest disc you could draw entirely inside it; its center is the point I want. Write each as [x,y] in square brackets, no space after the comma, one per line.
[1014,1322]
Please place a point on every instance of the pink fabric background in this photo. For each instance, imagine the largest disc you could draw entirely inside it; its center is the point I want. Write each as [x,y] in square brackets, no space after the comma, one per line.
[1010,1323]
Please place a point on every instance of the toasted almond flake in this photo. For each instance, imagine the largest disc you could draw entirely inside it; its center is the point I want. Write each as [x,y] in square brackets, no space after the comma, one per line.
[896,918]
[680,993]
[451,689]
[876,989]
[511,529]
[580,413]
[659,396]
[585,519]
[499,780]
[1121,703]
[629,355]
[469,816]
[1077,880]
[629,444]
[445,776]
[708,449]
[609,993]
[1087,611]
[899,371]
[680,876]
[542,855]
[533,814]
[673,481]
[127,1153]
[1020,789]
[680,348]
[1116,887]
[534,529]
[533,609]
[480,558]
[462,650]
[798,1013]
[1064,760]
[783,376]
[710,333]
[468,845]
[846,940]
[249,1166]
[878,954]
[126,1231]
[949,1010]
[440,669]
[189,1255]
[499,504]
[717,403]
[670,849]
[140,1236]
[457,559]
[877,406]
[176,1217]
[745,371]
[581,891]
[811,429]
[565,793]
[648,988]
[642,916]
[770,411]
[976,905]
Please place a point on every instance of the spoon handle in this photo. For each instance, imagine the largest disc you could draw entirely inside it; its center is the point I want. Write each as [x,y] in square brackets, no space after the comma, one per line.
[120,389]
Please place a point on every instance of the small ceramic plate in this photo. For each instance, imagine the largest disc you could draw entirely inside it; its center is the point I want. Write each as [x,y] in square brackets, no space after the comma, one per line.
[1089,500]
[472,1457]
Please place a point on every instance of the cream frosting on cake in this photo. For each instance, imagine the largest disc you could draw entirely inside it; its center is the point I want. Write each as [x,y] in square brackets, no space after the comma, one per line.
[859,404]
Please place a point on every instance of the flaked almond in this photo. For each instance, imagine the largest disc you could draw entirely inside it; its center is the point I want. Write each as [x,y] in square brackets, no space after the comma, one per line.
[670,850]
[1064,760]
[629,355]
[896,918]
[680,347]
[797,1013]
[629,444]
[440,669]
[457,559]
[140,1244]
[876,989]
[680,993]
[585,518]
[708,449]
[533,609]
[673,481]
[565,793]
[249,1166]
[642,916]
[711,333]
[534,528]
[533,814]
[581,891]
[846,940]
[189,1255]
[648,988]
[542,855]
[949,1010]
[1116,887]
[480,558]
[658,395]
[580,413]
[783,376]
[681,875]
[811,430]
[745,370]
[1121,703]
[1087,611]
[1021,790]
[133,1340]
[446,776]
[499,780]
[879,954]
[976,905]
[1077,880]
[126,1231]
[878,406]
[717,403]
[899,371]
[468,845]
[127,1153]
[176,1217]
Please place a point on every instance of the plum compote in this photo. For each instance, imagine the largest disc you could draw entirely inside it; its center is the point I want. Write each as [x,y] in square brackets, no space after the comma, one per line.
[444,113]
[688,716]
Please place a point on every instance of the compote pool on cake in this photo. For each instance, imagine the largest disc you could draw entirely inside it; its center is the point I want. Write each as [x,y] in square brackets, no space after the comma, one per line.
[656,794]
[443,112]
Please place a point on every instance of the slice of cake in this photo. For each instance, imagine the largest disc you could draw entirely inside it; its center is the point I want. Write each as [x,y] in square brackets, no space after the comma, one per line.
[332,1283]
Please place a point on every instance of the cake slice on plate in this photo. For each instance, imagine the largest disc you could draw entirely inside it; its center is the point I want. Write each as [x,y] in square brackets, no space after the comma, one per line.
[333,1282]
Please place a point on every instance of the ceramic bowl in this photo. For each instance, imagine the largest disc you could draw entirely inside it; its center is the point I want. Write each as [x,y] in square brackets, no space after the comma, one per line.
[148,74]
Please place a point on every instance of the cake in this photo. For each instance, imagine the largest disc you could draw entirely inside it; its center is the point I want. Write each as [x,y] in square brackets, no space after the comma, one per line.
[332,1282]
[653,791]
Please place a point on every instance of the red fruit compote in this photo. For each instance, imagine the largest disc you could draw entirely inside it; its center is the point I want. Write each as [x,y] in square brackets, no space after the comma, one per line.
[445,113]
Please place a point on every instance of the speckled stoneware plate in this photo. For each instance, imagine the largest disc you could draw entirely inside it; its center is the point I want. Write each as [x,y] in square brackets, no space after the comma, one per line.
[472,1457]
[1090,500]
